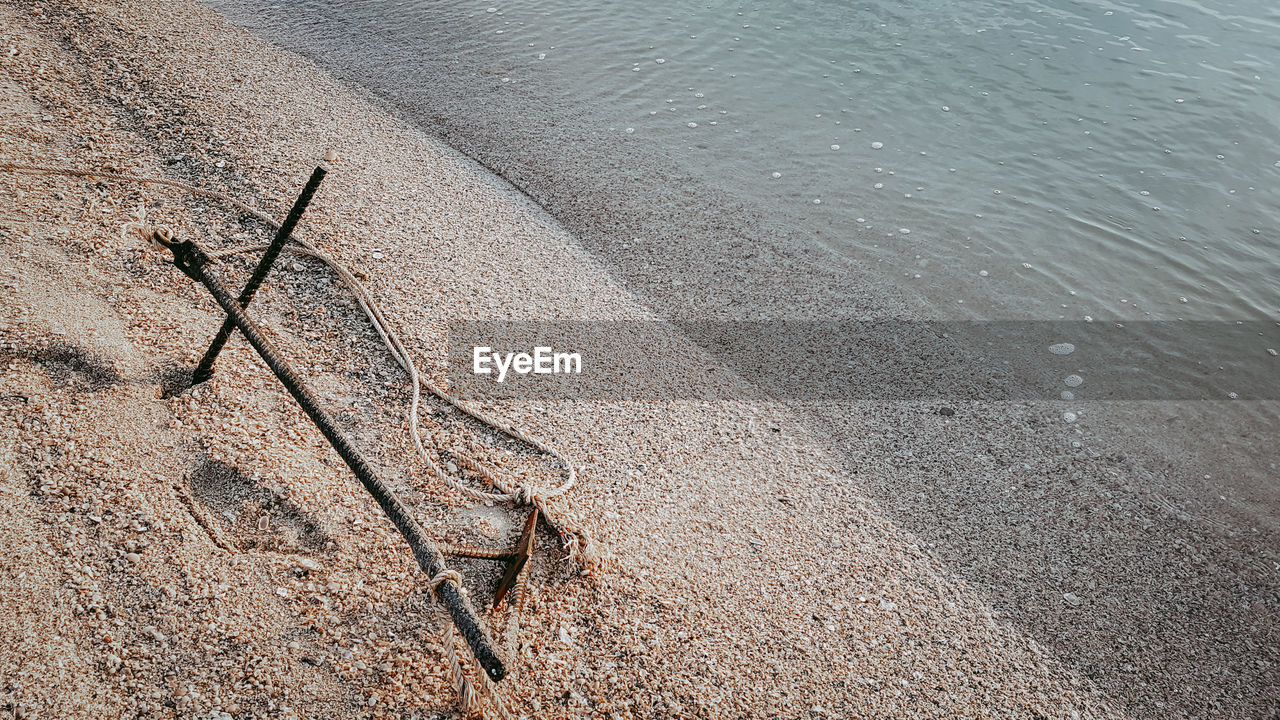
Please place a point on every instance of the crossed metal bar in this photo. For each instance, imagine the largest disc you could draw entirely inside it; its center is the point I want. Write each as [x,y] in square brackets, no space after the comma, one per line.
[193,262]
[204,370]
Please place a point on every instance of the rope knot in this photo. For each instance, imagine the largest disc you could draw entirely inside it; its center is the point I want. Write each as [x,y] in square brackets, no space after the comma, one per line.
[525,495]
[443,576]
[157,237]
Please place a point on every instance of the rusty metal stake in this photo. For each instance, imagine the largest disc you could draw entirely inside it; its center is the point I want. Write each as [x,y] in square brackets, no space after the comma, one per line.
[523,550]
[191,260]
[204,370]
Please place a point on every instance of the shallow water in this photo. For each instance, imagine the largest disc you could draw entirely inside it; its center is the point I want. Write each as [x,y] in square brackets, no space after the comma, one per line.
[1107,159]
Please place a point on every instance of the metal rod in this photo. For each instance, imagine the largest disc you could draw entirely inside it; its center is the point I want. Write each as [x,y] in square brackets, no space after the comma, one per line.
[191,260]
[204,370]
[523,550]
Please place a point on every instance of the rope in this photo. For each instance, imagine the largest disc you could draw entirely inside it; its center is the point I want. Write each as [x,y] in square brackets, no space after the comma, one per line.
[473,689]
[446,575]
[472,695]
[578,544]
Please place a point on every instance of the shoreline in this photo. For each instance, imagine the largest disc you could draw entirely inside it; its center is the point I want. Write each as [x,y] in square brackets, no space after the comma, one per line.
[842,608]
[1182,474]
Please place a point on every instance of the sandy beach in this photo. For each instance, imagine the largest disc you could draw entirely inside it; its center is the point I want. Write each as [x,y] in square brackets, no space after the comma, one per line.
[208,555]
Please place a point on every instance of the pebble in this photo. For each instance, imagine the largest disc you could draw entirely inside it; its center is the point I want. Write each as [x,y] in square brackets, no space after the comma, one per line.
[1271,352]
[134,558]
[983,273]
[776,175]
[1072,599]
[877,145]
[1073,381]
[835,147]
[1069,417]
[331,155]
[1062,348]
[1068,395]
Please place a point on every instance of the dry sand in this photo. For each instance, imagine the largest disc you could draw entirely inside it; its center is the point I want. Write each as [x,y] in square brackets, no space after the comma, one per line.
[756,571]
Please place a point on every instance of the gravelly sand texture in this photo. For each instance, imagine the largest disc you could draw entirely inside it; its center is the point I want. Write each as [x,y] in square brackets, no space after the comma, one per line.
[208,555]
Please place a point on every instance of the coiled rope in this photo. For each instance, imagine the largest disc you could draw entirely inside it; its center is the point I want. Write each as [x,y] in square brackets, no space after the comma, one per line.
[578,544]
